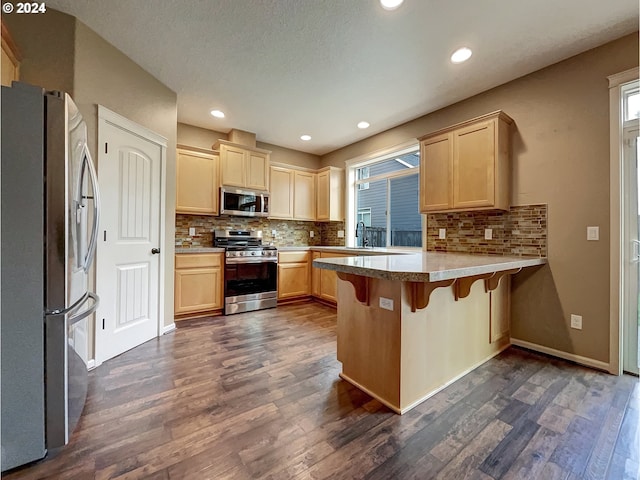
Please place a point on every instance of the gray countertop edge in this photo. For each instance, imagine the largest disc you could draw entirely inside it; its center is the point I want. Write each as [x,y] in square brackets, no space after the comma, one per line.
[199,250]
[430,276]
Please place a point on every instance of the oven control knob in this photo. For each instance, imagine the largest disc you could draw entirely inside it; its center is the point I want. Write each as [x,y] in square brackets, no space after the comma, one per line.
[253,253]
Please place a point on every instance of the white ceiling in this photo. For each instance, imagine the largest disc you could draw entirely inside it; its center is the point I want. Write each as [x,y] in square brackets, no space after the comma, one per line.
[283,68]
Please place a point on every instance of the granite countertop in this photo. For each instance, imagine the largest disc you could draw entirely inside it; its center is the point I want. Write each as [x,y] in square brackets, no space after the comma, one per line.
[426,266]
[350,250]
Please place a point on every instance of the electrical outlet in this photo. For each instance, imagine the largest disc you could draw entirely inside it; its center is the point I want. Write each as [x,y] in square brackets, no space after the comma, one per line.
[576,321]
[274,233]
[442,233]
[312,234]
[386,303]
[192,231]
[340,233]
[488,233]
[593,233]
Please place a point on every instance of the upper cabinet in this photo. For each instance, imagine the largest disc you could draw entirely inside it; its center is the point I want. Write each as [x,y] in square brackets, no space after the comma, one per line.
[197,180]
[292,194]
[466,166]
[304,194]
[10,68]
[243,167]
[330,198]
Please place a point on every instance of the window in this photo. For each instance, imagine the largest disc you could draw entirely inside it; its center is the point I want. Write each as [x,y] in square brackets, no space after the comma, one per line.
[363,173]
[364,215]
[386,199]
[631,102]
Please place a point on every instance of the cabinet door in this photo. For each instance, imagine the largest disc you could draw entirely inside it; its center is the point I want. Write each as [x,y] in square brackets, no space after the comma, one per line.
[232,166]
[197,183]
[322,207]
[257,174]
[315,276]
[198,289]
[329,280]
[473,166]
[304,206]
[435,173]
[293,280]
[281,193]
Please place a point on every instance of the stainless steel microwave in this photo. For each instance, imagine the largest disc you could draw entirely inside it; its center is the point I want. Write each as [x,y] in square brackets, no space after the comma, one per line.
[246,203]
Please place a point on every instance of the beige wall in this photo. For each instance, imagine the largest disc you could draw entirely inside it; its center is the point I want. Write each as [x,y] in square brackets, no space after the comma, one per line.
[193,136]
[560,157]
[104,75]
[46,42]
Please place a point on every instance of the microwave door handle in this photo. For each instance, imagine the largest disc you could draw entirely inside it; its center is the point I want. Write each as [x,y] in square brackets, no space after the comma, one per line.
[96,210]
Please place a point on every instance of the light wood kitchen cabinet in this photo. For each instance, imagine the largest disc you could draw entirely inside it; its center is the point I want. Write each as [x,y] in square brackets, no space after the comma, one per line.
[466,166]
[304,193]
[197,180]
[293,275]
[198,283]
[330,198]
[10,68]
[315,276]
[281,193]
[324,283]
[243,167]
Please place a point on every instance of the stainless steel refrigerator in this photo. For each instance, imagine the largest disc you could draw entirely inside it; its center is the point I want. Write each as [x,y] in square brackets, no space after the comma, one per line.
[50,213]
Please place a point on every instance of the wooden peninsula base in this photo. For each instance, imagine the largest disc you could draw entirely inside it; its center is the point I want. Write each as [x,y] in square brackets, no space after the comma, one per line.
[409,325]
[402,357]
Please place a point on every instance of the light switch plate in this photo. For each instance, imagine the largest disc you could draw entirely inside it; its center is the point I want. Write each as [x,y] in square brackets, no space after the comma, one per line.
[442,233]
[386,303]
[274,233]
[192,231]
[312,234]
[488,233]
[593,233]
[340,233]
[576,321]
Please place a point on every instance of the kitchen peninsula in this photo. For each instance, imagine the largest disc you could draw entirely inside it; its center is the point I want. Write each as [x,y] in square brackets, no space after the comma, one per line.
[408,325]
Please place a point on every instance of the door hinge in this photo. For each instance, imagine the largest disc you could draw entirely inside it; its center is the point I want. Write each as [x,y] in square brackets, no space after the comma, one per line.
[105,236]
[103,323]
[106,148]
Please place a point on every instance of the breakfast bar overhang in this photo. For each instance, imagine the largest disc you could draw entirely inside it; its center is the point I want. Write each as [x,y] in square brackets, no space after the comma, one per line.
[409,325]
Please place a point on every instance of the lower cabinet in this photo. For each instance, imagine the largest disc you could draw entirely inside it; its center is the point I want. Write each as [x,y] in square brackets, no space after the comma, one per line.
[293,275]
[325,282]
[198,283]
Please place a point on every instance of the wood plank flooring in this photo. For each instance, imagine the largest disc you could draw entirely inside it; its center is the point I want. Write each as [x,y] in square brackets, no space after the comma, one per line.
[257,395]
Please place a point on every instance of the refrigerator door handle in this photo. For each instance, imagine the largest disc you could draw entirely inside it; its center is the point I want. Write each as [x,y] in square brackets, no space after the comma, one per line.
[85,313]
[96,210]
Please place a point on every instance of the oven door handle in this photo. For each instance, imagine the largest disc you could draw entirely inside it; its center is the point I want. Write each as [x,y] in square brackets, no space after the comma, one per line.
[240,261]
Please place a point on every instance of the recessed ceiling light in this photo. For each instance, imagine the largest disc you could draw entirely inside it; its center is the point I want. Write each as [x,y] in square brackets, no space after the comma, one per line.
[461,55]
[363,125]
[391,4]
[306,138]
[217,113]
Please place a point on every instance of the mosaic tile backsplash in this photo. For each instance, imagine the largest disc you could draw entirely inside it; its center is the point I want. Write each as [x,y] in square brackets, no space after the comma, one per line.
[522,231]
[288,232]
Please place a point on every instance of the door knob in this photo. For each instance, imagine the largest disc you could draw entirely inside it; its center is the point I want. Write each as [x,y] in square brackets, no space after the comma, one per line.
[155,250]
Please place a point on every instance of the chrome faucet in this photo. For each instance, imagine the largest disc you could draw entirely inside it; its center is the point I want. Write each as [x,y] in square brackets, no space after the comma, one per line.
[365,240]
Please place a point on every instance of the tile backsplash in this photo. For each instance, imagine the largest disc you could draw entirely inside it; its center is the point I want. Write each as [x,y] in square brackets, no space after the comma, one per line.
[521,231]
[288,232]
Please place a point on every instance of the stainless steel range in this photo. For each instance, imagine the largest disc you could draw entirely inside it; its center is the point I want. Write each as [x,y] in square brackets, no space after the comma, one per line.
[250,271]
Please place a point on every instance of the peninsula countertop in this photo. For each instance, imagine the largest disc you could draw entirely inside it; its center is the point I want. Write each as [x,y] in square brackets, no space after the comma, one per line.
[426,266]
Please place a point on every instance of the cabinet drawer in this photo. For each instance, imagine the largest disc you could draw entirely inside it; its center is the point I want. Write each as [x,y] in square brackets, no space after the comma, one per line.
[196,260]
[293,257]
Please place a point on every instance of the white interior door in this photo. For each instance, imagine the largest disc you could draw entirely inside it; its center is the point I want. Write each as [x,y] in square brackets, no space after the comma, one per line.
[632,252]
[128,260]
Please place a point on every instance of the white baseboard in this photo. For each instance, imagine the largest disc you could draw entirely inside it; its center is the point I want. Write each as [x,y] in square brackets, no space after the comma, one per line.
[168,328]
[91,364]
[588,362]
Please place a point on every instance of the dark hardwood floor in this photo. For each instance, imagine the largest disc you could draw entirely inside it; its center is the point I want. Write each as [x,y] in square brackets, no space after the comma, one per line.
[257,395]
